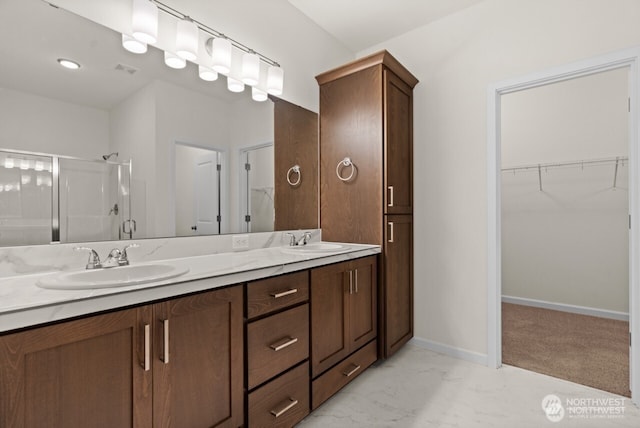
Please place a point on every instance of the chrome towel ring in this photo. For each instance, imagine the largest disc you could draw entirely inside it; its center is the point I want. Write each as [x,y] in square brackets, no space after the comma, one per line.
[295,170]
[345,163]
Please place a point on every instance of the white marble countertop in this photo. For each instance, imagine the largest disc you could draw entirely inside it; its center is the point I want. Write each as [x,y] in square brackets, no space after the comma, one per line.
[23,303]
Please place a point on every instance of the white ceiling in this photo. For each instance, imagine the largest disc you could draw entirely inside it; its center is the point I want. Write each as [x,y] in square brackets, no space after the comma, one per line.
[359,24]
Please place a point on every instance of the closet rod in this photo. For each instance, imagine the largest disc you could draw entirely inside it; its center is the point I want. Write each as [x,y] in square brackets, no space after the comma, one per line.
[572,163]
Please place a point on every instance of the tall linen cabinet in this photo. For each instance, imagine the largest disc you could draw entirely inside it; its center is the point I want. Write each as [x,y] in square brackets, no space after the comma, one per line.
[366,177]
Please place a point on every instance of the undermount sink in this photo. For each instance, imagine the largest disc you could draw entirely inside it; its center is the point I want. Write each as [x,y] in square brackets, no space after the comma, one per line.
[317,248]
[112,277]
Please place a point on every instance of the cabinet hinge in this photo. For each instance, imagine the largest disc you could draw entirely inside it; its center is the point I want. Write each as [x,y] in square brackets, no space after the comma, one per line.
[247,166]
[247,218]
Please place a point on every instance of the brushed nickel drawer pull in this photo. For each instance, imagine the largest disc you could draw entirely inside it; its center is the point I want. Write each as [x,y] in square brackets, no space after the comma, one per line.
[352,371]
[147,348]
[165,347]
[283,343]
[356,275]
[284,293]
[287,405]
[390,231]
[390,196]
[350,282]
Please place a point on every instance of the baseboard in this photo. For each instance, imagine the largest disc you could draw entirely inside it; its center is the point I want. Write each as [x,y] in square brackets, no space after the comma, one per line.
[451,351]
[582,310]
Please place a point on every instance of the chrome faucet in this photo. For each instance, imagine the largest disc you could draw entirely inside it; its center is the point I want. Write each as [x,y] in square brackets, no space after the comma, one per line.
[115,258]
[94,258]
[304,239]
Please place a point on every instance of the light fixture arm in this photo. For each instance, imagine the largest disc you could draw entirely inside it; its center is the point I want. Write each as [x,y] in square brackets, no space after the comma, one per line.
[214,33]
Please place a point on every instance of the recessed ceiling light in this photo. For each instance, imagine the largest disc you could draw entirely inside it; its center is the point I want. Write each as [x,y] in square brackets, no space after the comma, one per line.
[67,63]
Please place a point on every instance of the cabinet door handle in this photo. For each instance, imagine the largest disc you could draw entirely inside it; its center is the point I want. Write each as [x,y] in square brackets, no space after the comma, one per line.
[165,341]
[350,282]
[279,294]
[284,407]
[390,204]
[352,371]
[390,231]
[147,348]
[283,343]
[356,281]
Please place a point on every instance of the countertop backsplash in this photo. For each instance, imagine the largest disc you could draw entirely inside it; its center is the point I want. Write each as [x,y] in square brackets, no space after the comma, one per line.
[26,260]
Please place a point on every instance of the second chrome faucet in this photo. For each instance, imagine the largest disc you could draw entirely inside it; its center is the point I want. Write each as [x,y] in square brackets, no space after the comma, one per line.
[304,239]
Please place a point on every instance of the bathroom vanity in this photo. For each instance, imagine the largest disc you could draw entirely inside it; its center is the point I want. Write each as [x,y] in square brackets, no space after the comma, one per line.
[259,342]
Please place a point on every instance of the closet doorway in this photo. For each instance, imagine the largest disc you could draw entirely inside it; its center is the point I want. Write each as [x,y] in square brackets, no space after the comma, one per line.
[561,235]
[565,245]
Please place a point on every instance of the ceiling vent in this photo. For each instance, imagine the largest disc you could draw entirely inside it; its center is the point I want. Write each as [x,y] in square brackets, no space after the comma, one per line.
[127,68]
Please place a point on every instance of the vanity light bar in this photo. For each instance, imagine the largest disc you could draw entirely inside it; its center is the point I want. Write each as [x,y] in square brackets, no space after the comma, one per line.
[218,46]
[216,34]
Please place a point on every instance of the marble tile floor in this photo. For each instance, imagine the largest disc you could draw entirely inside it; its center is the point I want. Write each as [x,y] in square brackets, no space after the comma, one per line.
[420,388]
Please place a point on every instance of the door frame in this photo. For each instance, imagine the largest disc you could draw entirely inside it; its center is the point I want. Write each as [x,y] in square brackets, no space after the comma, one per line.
[244,204]
[621,59]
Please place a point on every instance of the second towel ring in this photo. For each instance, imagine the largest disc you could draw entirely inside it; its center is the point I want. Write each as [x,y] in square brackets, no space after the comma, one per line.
[345,163]
[294,169]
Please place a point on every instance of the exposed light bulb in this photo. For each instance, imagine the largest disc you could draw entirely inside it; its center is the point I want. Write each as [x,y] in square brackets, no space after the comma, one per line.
[144,21]
[258,94]
[221,55]
[275,80]
[174,61]
[187,37]
[234,85]
[207,73]
[133,45]
[250,68]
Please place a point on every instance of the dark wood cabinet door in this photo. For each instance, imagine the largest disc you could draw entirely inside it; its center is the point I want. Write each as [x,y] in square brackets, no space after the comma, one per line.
[398,145]
[82,373]
[398,276]
[295,143]
[351,127]
[198,360]
[363,321]
[329,316]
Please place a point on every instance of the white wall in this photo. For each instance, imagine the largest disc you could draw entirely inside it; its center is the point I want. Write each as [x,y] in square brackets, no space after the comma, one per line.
[38,124]
[456,59]
[569,243]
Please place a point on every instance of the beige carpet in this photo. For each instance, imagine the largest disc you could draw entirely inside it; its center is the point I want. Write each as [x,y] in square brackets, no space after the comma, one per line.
[583,349]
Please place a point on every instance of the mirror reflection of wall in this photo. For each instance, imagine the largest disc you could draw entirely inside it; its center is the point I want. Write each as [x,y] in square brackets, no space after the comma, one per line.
[119,102]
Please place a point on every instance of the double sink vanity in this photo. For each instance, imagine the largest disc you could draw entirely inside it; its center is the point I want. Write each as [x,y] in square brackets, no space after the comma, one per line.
[259,337]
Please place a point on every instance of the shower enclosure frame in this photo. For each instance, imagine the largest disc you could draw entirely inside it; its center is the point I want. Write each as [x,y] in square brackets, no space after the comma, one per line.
[55,187]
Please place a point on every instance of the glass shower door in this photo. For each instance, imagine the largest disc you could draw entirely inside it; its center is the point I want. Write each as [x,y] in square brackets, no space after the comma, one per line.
[94,201]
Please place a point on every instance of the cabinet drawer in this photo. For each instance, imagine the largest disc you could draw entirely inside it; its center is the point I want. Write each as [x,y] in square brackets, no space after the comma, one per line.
[343,373]
[271,294]
[283,402]
[276,343]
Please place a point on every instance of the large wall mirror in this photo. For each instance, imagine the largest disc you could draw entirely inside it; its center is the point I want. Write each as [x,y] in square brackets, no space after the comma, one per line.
[125,147]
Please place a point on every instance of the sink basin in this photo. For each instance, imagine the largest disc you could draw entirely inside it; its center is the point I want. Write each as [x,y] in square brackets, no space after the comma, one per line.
[317,248]
[113,277]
